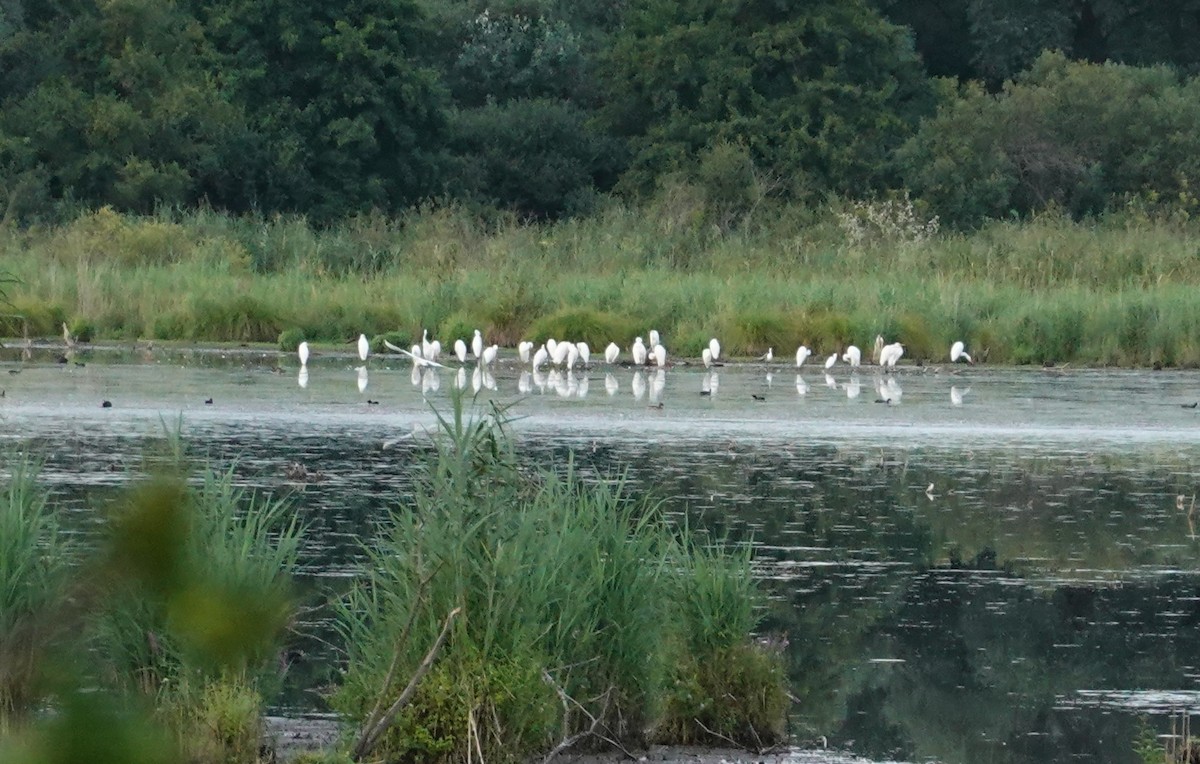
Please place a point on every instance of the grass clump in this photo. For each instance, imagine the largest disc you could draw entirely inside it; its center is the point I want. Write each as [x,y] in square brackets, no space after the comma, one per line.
[570,622]
[34,561]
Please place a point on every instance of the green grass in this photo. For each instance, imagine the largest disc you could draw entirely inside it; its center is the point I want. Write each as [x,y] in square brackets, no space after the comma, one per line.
[1122,290]
[563,585]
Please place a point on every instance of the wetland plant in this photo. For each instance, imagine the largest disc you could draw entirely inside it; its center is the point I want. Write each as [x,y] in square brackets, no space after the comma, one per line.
[561,612]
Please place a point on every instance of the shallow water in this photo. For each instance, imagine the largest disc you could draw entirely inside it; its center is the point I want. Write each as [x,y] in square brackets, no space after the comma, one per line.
[999,564]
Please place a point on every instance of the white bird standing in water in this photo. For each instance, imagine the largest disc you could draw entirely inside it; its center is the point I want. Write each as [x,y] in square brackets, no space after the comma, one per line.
[302,351]
[660,355]
[876,352]
[768,356]
[426,345]
[890,354]
[654,338]
[611,353]
[414,354]
[489,354]
[852,356]
[715,347]
[540,357]
[959,350]
[638,351]
[460,351]
[585,352]
[830,361]
[524,348]
[802,353]
[477,344]
[364,347]
[706,356]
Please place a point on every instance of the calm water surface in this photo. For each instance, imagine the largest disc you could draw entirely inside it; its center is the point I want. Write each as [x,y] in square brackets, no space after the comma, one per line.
[998,565]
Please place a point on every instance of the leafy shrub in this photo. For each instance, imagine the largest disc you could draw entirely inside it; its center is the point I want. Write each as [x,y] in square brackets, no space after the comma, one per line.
[290,339]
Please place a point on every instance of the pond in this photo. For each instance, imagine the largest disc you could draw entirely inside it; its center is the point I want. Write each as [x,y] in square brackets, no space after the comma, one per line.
[968,564]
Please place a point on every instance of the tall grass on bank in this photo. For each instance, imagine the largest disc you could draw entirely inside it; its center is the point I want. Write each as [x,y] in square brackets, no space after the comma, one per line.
[580,610]
[173,627]
[1122,290]
[33,574]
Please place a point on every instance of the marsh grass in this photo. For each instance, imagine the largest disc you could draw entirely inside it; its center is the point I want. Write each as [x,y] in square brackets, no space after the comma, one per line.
[572,624]
[34,560]
[1118,290]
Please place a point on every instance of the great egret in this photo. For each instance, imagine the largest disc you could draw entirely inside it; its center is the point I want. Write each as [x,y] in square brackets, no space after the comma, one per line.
[489,354]
[830,361]
[426,345]
[364,347]
[572,355]
[435,350]
[768,356]
[654,338]
[852,356]
[802,353]
[585,352]
[877,350]
[715,347]
[559,353]
[414,354]
[460,350]
[706,356]
[551,346]
[959,350]
[890,354]
[540,358]
[524,348]
[477,344]
[638,352]
[302,351]
[611,353]
[660,355]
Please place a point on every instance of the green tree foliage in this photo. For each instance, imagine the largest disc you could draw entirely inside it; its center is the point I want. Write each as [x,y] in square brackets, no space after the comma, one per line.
[1075,136]
[818,93]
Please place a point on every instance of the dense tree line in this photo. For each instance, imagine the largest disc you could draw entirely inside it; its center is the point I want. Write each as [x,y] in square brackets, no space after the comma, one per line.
[544,106]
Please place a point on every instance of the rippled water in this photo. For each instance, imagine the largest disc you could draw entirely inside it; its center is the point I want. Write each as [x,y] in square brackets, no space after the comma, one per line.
[998,565]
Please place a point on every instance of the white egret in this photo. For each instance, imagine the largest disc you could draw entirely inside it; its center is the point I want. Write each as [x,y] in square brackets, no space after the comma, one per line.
[551,346]
[585,352]
[852,356]
[654,338]
[660,355]
[830,361]
[802,353]
[477,344]
[715,347]
[706,356]
[435,350]
[611,353]
[364,347]
[611,385]
[460,351]
[890,354]
[638,351]
[524,348]
[303,353]
[489,354]
[415,354]
[878,349]
[426,345]
[572,355]
[558,355]
[540,358]
[959,350]
[768,356]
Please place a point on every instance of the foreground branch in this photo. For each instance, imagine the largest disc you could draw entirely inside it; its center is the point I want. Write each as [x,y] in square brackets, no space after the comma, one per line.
[375,727]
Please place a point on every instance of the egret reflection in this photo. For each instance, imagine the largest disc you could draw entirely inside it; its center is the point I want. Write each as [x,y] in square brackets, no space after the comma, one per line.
[830,382]
[302,377]
[460,377]
[611,385]
[801,386]
[658,383]
[639,384]
[853,387]
[525,383]
[362,378]
[956,396]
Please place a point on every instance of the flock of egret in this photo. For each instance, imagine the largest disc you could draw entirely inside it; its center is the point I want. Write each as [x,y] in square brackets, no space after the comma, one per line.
[559,357]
